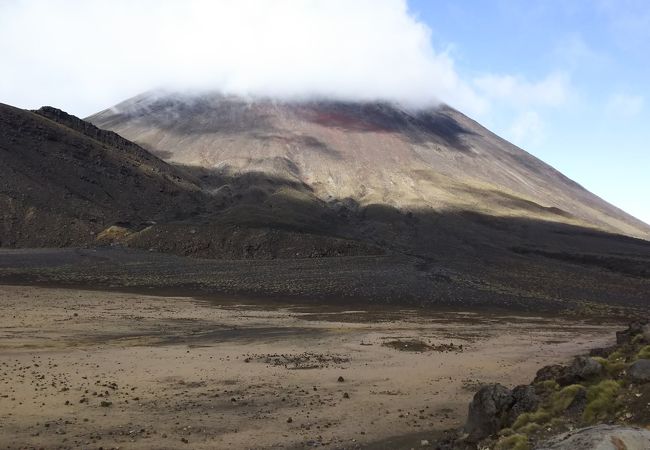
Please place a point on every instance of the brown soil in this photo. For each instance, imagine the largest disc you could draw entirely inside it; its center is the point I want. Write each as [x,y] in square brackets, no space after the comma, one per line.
[106,369]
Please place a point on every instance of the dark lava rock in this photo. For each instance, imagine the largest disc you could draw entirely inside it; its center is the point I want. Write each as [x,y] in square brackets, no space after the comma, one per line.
[583,368]
[552,372]
[341,380]
[646,333]
[639,371]
[524,400]
[602,352]
[626,336]
[494,406]
[488,411]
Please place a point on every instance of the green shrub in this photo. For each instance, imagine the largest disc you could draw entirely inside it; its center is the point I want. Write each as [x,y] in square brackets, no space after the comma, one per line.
[554,406]
[538,417]
[601,401]
[513,442]
[548,386]
[612,367]
[617,355]
[644,353]
[556,422]
[530,428]
[560,401]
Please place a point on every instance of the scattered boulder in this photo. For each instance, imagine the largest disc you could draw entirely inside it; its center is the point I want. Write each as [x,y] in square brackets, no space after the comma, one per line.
[495,406]
[552,372]
[602,352]
[601,437]
[645,331]
[524,400]
[633,329]
[639,371]
[488,411]
[583,368]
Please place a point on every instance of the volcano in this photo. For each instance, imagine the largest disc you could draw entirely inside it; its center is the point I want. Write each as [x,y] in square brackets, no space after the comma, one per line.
[361,155]
[317,198]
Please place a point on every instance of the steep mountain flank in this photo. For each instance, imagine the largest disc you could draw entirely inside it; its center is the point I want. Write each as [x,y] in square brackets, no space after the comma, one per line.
[364,154]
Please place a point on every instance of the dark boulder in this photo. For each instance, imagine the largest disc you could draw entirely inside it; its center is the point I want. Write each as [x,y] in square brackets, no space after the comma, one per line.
[524,400]
[494,406]
[488,411]
[639,371]
[583,368]
[602,352]
[635,328]
[645,331]
[552,372]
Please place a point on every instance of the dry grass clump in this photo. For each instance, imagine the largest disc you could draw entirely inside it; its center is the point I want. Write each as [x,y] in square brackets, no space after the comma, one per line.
[513,442]
[614,365]
[601,401]
[644,353]
[554,405]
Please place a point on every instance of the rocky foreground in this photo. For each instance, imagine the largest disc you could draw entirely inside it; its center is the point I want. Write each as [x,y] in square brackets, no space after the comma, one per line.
[599,401]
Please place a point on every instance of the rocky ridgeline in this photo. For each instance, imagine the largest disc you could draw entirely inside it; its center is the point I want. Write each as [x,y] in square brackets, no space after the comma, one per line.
[104,136]
[600,400]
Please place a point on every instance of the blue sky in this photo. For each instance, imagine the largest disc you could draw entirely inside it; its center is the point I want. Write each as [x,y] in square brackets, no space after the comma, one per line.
[565,80]
[597,131]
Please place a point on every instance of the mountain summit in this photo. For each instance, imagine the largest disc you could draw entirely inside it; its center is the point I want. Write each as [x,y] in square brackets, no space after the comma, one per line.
[363,155]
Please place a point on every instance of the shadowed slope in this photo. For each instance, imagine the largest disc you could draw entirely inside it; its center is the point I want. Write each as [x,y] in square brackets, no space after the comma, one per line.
[64,182]
[59,186]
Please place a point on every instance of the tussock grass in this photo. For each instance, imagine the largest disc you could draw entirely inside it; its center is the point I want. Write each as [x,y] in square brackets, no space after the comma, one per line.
[644,353]
[530,428]
[613,367]
[555,405]
[513,442]
[548,386]
[560,401]
[539,417]
[601,401]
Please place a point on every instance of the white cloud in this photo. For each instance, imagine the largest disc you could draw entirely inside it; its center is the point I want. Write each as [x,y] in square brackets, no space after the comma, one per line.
[527,130]
[575,53]
[625,105]
[518,92]
[84,55]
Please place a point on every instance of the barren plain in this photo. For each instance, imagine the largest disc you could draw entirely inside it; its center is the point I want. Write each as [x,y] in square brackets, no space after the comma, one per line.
[99,369]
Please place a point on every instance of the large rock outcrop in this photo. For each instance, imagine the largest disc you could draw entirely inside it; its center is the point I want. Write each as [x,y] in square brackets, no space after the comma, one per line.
[495,406]
[600,437]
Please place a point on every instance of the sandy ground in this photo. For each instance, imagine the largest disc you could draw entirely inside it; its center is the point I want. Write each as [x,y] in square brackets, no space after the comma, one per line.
[91,369]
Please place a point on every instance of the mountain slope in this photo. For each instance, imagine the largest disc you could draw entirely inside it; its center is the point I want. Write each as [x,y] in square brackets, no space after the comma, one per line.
[63,186]
[65,182]
[421,209]
[363,154]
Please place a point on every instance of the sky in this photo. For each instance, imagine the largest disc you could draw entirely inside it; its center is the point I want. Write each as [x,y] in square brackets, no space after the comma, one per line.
[565,80]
